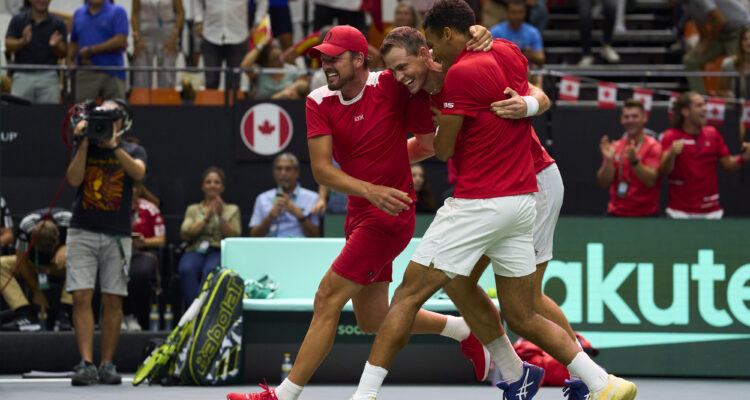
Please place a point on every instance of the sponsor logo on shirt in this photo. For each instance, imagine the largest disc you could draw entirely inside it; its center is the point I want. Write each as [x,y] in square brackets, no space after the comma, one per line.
[359,117]
[447,105]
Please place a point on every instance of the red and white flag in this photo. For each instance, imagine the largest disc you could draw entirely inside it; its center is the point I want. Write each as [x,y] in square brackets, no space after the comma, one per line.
[672,98]
[645,96]
[746,115]
[607,95]
[715,108]
[266,129]
[570,86]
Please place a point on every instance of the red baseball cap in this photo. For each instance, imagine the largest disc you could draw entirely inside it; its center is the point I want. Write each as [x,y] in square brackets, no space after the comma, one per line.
[340,39]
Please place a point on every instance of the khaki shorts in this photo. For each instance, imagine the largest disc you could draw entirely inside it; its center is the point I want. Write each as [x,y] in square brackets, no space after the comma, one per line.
[89,253]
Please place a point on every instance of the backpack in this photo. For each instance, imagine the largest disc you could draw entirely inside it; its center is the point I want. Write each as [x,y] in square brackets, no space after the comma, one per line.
[555,373]
[206,346]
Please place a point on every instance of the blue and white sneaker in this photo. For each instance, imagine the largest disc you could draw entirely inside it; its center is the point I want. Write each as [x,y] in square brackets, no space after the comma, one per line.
[576,390]
[526,387]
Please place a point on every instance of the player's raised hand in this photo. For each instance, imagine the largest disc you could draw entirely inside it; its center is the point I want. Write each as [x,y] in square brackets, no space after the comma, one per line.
[391,201]
[607,148]
[481,39]
[511,108]
[676,148]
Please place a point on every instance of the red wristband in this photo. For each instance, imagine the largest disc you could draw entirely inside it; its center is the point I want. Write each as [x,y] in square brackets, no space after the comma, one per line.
[740,160]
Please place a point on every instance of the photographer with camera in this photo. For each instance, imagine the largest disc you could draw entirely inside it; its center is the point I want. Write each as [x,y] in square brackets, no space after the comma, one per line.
[104,169]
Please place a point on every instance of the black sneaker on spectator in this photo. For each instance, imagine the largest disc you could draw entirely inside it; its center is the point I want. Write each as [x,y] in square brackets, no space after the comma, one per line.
[84,374]
[21,323]
[108,374]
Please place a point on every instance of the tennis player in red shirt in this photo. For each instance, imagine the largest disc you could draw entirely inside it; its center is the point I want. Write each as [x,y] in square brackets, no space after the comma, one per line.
[630,166]
[360,119]
[691,151]
[492,213]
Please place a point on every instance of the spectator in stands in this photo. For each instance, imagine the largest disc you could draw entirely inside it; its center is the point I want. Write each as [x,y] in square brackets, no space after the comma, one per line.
[205,225]
[281,19]
[35,36]
[728,86]
[99,241]
[726,18]
[285,210]
[405,15]
[157,26]
[425,198]
[98,37]
[690,152]
[630,166]
[344,12]
[585,24]
[222,27]
[6,224]
[538,14]
[144,285]
[289,84]
[44,263]
[524,35]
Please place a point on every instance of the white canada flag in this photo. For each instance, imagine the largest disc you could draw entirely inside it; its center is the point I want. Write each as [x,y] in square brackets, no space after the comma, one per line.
[645,96]
[607,95]
[266,129]
[715,108]
[570,86]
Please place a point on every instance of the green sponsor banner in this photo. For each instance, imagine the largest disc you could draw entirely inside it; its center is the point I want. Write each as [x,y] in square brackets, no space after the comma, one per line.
[658,297]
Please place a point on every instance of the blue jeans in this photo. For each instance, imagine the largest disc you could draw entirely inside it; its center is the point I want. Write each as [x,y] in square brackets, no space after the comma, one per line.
[194,267]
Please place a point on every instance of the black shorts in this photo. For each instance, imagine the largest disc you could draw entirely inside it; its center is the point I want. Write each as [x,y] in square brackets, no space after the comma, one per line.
[281,20]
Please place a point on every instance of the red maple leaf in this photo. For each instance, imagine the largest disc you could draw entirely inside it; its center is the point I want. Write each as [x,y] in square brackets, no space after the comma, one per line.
[266,128]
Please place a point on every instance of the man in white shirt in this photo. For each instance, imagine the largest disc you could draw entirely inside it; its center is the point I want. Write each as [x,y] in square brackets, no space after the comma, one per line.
[222,27]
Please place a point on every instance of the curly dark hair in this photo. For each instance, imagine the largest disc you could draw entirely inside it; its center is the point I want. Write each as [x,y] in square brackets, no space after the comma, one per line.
[454,14]
[682,103]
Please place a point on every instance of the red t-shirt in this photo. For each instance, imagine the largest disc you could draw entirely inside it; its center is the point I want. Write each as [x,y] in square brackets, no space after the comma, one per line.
[694,181]
[147,220]
[369,132]
[640,200]
[421,122]
[492,155]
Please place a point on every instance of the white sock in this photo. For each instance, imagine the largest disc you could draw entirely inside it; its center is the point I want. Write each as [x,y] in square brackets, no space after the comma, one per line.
[591,374]
[370,382]
[574,377]
[288,390]
[506,359]
[456,328]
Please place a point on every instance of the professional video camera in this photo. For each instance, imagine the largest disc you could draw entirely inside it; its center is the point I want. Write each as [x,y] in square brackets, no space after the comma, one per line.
[100,119]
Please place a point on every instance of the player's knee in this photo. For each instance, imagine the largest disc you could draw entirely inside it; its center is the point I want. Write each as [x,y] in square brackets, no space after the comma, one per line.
[325,303]
[369,325]
[81,299]
[518,319]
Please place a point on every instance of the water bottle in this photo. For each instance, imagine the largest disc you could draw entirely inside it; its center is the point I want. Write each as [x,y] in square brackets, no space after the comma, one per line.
[153,318]
[168,318]
[42,320]
[286,366]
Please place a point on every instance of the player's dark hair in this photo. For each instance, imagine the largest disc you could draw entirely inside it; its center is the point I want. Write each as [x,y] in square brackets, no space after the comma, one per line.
[682,102]
[634,103]
[455,14]
[405,37]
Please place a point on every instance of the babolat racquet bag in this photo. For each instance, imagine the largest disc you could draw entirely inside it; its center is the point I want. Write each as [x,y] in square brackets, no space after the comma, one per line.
[206,346]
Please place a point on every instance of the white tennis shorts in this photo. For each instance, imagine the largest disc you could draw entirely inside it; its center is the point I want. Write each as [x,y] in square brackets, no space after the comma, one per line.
[464,229]
[549,200]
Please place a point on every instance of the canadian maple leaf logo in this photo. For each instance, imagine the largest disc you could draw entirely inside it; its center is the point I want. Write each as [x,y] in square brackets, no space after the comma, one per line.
[266,128]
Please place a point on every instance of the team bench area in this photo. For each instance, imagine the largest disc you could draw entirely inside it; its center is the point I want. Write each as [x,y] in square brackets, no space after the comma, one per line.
[278,325]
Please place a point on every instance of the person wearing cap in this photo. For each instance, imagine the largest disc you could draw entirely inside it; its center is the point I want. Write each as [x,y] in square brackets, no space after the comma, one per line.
[361,119]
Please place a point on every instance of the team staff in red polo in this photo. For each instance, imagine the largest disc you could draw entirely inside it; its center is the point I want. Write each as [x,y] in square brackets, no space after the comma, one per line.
[630,166]
[691,150]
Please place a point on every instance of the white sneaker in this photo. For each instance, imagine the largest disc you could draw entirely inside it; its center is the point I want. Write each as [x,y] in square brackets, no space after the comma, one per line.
[132,322]
[586,61]
[620,28]
[609,54]
[124,325]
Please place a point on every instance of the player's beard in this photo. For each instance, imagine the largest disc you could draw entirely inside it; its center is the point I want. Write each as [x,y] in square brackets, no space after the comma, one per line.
[342,80]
